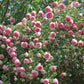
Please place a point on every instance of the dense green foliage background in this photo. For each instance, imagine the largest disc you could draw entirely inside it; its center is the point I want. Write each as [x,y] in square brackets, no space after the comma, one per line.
[19,8]
[67,57]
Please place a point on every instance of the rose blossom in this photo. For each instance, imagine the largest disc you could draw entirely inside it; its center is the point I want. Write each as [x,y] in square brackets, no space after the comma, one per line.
[63,75]
[24,44]
[17,62]
[47,55]
[41,80]
[32,18]
[39,67]
[38,45]
[56,10]
[53,34]
[12,20]
[0,26]
[4,38]
[24,20]
[68,19]
[49,15]
[28,29]
[35,40]
[38,55]
[33,23]
[1,56]
[35,73]
[45,43]
[83,57]
[41,14]
[74,42]
[43,71]
[24,38]
[55,81]
[55,4]
[28,15]
[31,44]
[62,6]
[48,9]
[1,82]
[26,54]
[79,32]
[26,61]
[46,81]
[3,46]
[8,31]
[80,43]
[70,32]
[53,68]
[16,33]
[52,25]
[33,13]
[60,25]
[83,30]
[5,67]
[38,24]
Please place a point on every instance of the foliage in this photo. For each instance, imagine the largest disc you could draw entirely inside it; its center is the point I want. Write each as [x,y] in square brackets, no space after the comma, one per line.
[44,47]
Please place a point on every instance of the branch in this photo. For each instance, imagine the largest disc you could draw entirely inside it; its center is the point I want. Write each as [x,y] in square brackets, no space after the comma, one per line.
[21,17]
[8,2]
[1,3]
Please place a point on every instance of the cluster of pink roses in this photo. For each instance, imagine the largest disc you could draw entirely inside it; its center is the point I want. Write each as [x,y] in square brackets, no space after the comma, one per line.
[28,37]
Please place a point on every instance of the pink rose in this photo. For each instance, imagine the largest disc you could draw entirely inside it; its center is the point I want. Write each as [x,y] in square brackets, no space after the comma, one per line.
[53,68]
[35,40]
[17,62]
[60,25]
[63,75]
[52,25]
[39,67]
[32,18]
[47,55]
[31,44]
[53,34]
[38,45]
[55,81]
[12,20]
[74,42]
[1,82]
[24,44]
[57,11]
[28,30]
[35,73]
[43,71]
[80,43]
[28,15]
[70,32]
[46,81]
[26,61]
[68,19]
[48,9]
[49,15]
[41,14]
[16,33]
[38,24]
[45,43]
[24,38]
[1,56]
[8,31]
[62,6]
[33,13]
[55,4]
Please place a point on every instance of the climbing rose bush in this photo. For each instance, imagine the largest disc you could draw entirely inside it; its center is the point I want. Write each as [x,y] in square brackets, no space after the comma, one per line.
[45,47]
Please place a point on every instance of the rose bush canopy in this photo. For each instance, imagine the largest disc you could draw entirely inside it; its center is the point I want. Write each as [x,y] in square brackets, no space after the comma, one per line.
[45,47]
